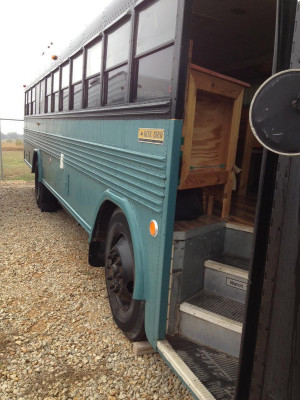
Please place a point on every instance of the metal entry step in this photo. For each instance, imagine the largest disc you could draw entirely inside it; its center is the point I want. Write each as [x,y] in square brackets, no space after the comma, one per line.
[233,260]
[227,276]
[219,305]
[212,320]
[217,371]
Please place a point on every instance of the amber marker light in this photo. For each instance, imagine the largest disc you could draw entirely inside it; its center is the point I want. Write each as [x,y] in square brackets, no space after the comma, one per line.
[153,228]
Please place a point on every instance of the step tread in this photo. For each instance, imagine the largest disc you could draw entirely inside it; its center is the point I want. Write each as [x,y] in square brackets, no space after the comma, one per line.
[217,371]
[233,261]
[226,269]
[240,227]
[219,305]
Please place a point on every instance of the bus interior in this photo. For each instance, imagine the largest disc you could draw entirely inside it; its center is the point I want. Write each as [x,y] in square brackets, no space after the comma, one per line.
[236,40]
[231,55]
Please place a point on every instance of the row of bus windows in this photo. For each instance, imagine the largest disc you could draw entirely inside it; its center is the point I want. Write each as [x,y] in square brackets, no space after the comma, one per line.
[88,81]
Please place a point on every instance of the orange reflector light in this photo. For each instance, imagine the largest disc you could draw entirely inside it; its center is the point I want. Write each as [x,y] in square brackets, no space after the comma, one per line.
[153,228]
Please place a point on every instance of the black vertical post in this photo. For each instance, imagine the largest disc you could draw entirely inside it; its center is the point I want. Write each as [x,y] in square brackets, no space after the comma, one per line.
[255,378]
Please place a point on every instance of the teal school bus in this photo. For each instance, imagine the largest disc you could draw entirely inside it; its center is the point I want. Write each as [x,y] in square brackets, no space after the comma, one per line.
[140,130]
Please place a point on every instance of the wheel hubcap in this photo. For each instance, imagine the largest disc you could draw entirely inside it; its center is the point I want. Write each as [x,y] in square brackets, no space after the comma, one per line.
[120,272]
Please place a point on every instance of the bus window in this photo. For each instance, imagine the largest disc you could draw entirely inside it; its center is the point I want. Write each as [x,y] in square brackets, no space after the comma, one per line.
[93,68]
[76,87]
[48,95]
[37,98]
[27,103]
[55,95]
[156,25]
[154,50]
[65,78]
[117,64]
[42,96]
[155,74]
[117,85]
[32,108]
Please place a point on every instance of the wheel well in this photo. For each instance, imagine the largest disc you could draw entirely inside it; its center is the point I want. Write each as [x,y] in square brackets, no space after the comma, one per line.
[97,244]
[34,161]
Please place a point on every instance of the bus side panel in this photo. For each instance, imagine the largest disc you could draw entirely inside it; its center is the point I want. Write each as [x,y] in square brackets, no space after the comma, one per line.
[81,159]
[162,285]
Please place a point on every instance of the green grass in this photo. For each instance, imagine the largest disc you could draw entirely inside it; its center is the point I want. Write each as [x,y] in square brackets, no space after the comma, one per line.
[14,167]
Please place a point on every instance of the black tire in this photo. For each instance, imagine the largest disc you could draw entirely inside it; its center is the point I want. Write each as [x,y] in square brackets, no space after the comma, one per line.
[129,314]
[37,186]
[44,198]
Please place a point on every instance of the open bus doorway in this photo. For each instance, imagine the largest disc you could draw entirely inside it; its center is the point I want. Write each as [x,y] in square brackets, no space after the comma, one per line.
[237,41]
[231,55]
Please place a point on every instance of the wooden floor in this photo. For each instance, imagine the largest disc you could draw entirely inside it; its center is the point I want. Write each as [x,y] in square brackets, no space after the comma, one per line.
[185,226]
[243,209]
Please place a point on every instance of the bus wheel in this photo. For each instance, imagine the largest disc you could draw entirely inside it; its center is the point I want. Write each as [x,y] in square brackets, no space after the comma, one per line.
[37,186]
[44,198]
[127,312]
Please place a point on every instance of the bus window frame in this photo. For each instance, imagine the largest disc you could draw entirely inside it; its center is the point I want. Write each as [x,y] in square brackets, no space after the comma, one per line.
[33,100]
[63,88]
[53,93]
[135,70]
[47,95]
[99,39]
[135,58]
[73,84]
[123,20]
[27,102]
[37,98]
[42,95]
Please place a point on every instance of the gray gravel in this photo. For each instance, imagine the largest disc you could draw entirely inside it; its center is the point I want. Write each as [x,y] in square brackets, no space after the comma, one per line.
[57,337]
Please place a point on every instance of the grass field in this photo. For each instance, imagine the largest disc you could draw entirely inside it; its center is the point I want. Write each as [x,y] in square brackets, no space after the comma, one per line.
[14,167]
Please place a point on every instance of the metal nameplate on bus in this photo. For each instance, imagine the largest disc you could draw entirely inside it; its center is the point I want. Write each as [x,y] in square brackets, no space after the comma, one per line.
[155,136]
[236,284]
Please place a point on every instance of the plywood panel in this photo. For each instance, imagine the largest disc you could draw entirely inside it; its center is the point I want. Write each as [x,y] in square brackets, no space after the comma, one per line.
[211,131]
[197,179]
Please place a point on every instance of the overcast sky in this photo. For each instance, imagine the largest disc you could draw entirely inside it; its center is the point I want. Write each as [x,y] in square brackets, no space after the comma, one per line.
[27,27]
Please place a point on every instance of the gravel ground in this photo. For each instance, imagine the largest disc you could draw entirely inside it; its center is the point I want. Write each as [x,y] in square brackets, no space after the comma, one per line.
[57,337]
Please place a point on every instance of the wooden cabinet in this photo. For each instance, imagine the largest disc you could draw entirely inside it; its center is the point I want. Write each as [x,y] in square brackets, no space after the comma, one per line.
[210,131]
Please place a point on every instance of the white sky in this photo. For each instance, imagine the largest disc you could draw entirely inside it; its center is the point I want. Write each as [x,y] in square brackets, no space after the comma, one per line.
[26,29]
